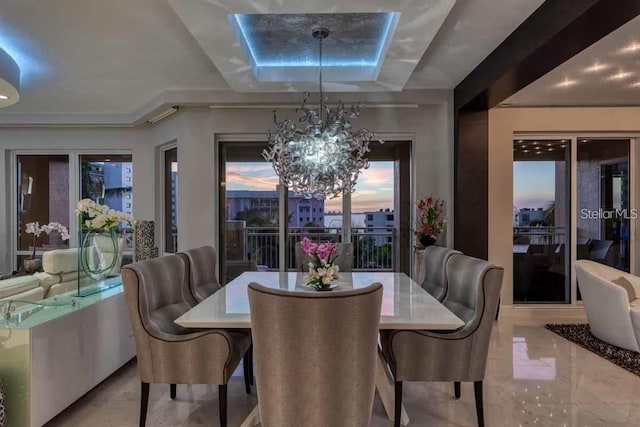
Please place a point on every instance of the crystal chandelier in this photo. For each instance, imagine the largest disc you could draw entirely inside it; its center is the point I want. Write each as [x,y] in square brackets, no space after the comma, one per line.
[324,156]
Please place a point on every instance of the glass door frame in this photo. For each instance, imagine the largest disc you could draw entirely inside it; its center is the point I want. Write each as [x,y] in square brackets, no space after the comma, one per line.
[634,158]
[74,191]
[403,202]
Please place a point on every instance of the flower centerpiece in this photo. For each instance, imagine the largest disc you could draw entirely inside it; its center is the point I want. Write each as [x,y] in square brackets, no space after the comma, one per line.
[430,222]
[31,264]
[321,269]
[101,245]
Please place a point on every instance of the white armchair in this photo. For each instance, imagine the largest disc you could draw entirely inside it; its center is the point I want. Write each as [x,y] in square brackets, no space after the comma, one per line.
[612,317]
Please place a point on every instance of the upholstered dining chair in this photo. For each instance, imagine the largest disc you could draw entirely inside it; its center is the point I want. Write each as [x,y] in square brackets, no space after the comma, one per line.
[315,355]
[435,262]
[461,355]
[344,260]
[201,265]
[168,353]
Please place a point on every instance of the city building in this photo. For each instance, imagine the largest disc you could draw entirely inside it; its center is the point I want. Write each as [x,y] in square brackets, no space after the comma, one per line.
[530,216]
[263,207]
[381,224]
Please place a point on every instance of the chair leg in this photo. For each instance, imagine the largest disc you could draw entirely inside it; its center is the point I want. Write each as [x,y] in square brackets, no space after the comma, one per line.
[251,377]
[397,411]
[246,364]
[456,389]
[477,386]
[172,390]
[144,401]
[222,404]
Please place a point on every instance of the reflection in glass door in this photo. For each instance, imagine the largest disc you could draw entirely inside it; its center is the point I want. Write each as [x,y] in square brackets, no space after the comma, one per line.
[603,202]
[541,214]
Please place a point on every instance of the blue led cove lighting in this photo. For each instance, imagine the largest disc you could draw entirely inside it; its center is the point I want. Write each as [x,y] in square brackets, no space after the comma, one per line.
[261,59]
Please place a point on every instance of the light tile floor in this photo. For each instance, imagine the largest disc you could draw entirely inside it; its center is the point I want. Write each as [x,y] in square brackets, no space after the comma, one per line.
[533,377]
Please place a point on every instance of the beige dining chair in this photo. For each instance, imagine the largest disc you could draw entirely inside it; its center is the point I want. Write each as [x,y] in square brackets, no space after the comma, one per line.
[435,262]
[315,355]
[461,355]
[344,260]
[201,264]
[168,353]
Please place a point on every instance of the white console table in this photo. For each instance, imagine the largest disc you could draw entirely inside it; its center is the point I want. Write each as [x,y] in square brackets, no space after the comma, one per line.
[50,356]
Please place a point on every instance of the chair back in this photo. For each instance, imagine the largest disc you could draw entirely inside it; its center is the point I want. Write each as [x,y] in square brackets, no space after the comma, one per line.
[435,279]
[474,295]
[344,260]
[315,355]
[155,291]
[202,264]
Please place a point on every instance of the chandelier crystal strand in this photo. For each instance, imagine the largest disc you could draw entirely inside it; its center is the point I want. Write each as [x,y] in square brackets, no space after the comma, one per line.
[324,157]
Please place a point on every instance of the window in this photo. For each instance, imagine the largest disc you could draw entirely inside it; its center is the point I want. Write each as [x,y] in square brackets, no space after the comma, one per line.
[106,179]
[42,196]
[171,200]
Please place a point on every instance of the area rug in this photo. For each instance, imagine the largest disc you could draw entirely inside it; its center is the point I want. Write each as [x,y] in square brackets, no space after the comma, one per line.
[581,335]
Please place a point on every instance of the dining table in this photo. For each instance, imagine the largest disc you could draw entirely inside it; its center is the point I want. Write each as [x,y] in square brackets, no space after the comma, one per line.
[405,305]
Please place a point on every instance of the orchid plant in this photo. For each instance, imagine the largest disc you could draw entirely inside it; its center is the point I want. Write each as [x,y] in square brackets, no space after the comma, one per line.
[321,269]
[36,229]
[430,222]
[101,217]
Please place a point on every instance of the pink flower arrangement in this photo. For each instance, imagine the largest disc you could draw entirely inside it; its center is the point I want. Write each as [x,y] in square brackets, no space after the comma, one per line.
[321,269]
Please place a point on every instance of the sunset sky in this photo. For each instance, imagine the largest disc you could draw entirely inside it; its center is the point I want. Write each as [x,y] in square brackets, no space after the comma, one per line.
[533,184]
[374,190]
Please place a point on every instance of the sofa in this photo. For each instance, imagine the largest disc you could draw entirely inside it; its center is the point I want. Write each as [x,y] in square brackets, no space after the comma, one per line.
[60,275]
[613,312]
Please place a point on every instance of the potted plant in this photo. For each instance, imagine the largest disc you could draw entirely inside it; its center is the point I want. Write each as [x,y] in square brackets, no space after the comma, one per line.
[430,221]
[322,271]
[31,264]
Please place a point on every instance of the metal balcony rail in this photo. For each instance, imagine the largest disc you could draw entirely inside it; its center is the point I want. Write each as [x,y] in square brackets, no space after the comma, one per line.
[543,235]
[373,246]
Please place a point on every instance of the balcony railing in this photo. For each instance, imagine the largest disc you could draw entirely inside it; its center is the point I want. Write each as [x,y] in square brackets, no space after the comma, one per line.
[544,235]
[373,248]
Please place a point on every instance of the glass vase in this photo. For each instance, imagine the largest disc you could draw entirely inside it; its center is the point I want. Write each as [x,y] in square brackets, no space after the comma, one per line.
[100,253]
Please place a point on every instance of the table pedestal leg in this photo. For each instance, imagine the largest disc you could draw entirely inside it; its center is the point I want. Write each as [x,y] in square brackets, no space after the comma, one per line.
[385,386]
[253,419]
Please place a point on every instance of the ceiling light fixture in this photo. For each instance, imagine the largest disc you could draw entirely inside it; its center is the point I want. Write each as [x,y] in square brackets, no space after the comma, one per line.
[596,68]
[324,157]
[633,47]
[621,75]
[566,83]
[9,80]
[636,84]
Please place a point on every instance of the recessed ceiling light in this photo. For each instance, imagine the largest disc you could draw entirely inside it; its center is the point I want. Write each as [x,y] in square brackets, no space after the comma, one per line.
[3,97]
[566,83]
[636,84]
[596,68]
[538,152]
[633,47]
[525,151]
[621,75]
[563,146]
[583,140]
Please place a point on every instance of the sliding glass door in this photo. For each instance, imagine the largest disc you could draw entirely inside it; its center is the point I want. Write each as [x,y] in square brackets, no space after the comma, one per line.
[260,222]
[573,199]
[541,214]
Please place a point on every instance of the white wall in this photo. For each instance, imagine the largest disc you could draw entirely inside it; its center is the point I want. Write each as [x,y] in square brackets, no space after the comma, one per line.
[41,140]
[503,123]
[197,130]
